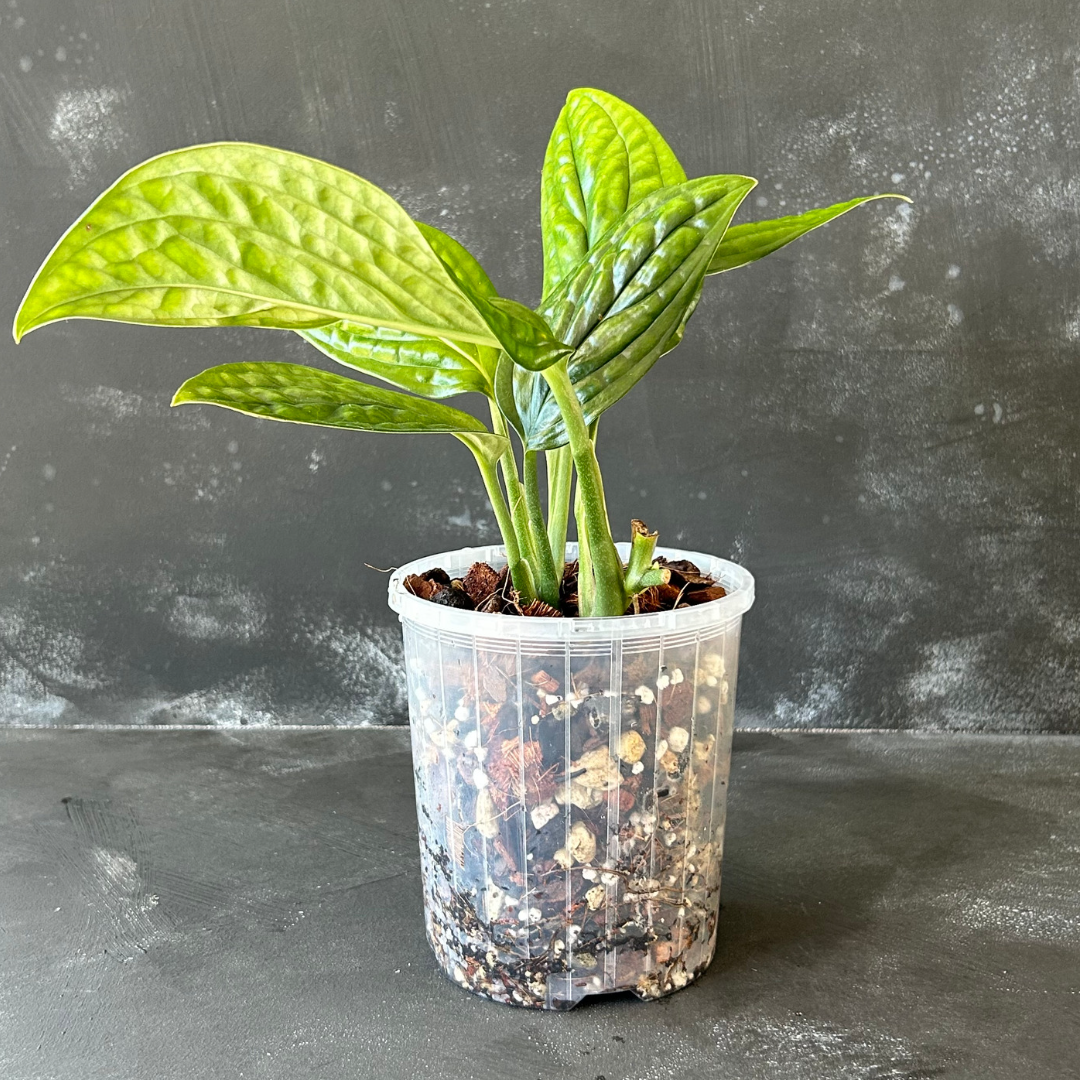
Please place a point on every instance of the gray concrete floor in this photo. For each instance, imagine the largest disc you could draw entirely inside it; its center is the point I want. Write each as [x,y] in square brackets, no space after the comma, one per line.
[217,904]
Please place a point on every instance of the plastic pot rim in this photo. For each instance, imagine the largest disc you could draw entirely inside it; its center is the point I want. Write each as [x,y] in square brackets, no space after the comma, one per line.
[738,582]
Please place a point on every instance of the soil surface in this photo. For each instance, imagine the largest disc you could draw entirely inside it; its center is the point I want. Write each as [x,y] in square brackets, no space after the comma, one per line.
[484,588]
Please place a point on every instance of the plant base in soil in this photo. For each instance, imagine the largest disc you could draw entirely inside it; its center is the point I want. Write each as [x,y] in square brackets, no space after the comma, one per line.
[486,589]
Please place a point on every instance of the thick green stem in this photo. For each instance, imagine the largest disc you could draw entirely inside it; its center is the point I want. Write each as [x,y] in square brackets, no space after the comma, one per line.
[547,580]
[520,573]
[560,478]
[610,597]
[586,589]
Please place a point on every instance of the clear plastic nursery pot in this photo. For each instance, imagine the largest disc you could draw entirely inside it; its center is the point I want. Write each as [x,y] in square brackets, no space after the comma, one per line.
[571,782]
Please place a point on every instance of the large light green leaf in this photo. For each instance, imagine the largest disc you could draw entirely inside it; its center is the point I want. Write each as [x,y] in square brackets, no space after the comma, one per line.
[303,395]
[522,333]
[754,240]
[626,304]
[432,367]
[603,157]
[237,234]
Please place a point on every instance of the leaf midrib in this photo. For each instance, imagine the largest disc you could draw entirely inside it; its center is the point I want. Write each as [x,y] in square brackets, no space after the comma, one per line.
[332,316]
[284,300]
[168,218]
[474,362]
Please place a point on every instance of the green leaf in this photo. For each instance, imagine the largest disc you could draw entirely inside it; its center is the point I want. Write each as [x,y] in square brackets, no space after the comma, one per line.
[431,367]
[626,304]
[523,334]
[510,383]
[303,395]
[238,234]
[754,240]
[603,158]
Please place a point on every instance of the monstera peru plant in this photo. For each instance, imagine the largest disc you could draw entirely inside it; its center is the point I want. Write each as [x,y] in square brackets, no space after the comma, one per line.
[234,234]
[571,773]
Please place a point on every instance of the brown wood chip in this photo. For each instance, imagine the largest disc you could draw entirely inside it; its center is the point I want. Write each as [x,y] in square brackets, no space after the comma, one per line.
[704,595]
[420,586]
[491,591]
[481,583]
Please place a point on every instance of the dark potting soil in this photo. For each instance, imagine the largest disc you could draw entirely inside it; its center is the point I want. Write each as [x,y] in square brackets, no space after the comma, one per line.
[486,589]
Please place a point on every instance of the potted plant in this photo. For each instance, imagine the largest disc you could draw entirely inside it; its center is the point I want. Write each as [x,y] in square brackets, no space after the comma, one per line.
[571,705]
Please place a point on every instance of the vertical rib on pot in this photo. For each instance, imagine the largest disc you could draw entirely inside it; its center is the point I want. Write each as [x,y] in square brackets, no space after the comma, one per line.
[571,781]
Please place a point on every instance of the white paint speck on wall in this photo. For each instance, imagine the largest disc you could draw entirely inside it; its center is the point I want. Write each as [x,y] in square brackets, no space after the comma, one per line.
[84,125]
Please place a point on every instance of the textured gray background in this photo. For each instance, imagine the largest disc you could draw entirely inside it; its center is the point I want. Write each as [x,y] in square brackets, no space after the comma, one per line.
[880,421]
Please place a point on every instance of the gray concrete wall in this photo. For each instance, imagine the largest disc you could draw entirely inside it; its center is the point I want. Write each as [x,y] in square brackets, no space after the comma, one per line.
[880,421]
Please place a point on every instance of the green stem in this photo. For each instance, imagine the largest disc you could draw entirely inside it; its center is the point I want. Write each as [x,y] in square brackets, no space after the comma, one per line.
[520,573]
[610,597]
[642,546]
[547,580]
[518,512]
[560,477]
[641,572]
[586,584]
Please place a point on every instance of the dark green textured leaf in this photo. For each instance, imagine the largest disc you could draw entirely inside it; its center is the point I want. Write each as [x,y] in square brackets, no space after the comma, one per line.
[303,395]
[431,367]
[237,234]
[524,335]
[754,240]
[627,303]
[603,157]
